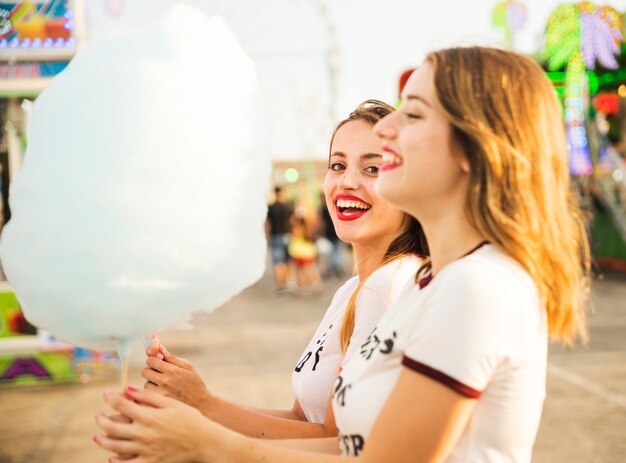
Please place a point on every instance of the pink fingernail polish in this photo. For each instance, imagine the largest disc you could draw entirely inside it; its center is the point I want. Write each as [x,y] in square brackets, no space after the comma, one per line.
[94,438]
[131,389]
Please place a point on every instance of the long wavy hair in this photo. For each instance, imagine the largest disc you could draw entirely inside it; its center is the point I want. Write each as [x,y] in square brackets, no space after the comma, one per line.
[504,112]
[410,241]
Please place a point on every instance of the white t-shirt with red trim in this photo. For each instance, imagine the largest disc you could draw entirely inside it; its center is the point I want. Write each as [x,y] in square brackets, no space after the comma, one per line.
[477,327]
[319,364]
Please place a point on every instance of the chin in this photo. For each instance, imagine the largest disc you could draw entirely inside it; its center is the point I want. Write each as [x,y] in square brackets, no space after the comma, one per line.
[345,237]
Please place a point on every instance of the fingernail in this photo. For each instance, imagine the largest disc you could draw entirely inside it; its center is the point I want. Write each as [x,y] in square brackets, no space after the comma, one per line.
[160,356]
[110,459]
[94,438]
[131,389]
[163,349]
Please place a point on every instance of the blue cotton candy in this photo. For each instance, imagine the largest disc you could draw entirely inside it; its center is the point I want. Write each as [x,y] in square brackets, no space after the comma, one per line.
[141,197]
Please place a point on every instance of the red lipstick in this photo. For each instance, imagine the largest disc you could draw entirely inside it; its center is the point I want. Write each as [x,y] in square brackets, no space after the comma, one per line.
[391,160]
[387,167]
[347,212]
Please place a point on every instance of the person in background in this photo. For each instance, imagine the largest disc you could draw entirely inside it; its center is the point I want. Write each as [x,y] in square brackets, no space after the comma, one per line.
[278,226]
[303,254]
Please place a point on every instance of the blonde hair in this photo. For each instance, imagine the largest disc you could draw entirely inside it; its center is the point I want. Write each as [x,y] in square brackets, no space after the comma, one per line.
[412,239]
[349,315]
[505,115]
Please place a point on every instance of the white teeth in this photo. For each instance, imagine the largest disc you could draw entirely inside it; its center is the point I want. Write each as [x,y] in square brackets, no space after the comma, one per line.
[390,158]
[352,204]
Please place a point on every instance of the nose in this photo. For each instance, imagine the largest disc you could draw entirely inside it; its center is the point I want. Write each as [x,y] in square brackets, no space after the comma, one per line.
[350,178]
[385,128]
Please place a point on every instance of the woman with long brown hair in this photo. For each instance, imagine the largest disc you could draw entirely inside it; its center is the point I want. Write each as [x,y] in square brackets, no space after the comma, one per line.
[455,369]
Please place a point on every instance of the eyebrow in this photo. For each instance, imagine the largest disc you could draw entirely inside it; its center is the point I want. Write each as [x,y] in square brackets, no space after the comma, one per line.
[418,98]
[363,156]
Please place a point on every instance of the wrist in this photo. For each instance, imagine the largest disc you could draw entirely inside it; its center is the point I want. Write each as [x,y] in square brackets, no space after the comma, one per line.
[207,403]
[224,445]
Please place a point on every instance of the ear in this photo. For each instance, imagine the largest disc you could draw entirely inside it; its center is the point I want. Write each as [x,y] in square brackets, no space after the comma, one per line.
[459,154]
[461,157]
[464,163]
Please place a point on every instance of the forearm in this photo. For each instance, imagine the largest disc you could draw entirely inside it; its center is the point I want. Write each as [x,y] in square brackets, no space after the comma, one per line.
[329,445]
[236,448]
[285,414]
[217,408]
[261,423]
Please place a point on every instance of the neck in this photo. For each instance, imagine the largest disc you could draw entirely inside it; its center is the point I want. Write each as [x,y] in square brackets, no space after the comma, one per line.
[449,237]
[369,257]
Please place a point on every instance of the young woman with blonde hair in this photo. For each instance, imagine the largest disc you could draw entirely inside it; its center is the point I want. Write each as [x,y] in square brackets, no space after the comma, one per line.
[388,245]
[455,370]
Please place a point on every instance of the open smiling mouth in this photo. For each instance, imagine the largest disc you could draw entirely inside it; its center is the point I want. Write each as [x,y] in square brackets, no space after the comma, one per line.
[390,161]
[351,208]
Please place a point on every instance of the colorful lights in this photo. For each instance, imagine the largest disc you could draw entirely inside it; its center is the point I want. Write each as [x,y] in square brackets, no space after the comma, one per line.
[606,103]
[31,69]
[37,43]
[510,16]
[583,28]
[37,25]
[578,36]
[291,175]
[601,36]
[574,111]
[562,36]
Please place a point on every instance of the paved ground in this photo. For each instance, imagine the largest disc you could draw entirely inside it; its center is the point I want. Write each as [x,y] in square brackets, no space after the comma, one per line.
[247,349]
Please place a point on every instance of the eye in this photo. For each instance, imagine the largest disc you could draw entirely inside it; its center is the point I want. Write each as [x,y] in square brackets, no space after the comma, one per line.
[412,115]
[336,166]
[372,170]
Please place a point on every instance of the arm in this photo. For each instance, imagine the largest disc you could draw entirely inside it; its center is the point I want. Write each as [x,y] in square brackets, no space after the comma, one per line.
[177,378]
[329,445]
[408,430]
[165,430]
[420,422]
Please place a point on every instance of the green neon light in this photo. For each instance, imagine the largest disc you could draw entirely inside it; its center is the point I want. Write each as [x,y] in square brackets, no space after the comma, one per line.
[595,81]
[612,77]
[592,79]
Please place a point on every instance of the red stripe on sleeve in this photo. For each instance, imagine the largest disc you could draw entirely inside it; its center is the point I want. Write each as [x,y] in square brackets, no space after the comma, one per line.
[442,378]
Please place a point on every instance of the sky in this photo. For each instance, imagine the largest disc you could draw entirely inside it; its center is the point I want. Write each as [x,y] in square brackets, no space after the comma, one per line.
[374,51]
[368,42]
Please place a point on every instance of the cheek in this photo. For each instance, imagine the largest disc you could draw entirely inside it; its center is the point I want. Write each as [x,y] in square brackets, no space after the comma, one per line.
[390,216]
[396,218]
[328,191]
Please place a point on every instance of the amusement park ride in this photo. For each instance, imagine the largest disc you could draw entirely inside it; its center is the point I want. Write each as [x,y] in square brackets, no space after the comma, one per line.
[585,59]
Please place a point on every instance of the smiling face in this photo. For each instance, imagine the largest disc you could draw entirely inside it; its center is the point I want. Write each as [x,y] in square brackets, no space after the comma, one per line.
[424,171]
[359,215]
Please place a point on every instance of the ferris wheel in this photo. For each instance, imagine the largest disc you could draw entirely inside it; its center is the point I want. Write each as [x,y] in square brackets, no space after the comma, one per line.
[293,46]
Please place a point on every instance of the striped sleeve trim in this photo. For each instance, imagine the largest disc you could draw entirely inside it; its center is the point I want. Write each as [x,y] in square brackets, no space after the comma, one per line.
[442,378]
